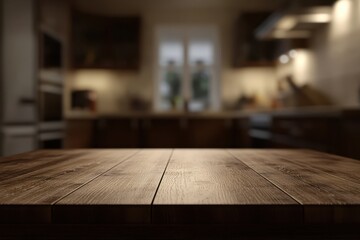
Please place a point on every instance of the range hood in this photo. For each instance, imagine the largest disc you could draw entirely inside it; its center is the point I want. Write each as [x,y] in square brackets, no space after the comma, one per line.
[297,20]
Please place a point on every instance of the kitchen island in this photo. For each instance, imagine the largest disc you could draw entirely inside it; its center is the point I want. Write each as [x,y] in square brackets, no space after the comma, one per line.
[179,193]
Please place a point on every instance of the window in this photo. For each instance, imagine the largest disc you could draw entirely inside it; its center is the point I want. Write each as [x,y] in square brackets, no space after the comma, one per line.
[187,68]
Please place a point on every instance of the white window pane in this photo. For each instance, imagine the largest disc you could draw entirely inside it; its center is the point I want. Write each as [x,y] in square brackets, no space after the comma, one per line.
[171,51]
[202,51]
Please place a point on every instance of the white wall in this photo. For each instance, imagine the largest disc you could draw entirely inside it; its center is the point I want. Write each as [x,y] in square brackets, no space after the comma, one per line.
[259,82]
[331,65]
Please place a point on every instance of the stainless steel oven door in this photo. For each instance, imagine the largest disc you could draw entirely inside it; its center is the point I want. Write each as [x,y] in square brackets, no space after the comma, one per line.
[51,103]
[51,140]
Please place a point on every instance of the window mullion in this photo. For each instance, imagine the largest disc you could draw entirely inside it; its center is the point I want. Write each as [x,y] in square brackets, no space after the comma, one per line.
[186,67]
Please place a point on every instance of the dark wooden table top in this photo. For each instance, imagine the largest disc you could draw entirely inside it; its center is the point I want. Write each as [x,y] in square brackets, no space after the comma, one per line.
[179,186]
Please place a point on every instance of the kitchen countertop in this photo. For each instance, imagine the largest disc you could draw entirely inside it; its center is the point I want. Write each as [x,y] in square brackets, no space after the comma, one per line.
[161,187]
[304,111]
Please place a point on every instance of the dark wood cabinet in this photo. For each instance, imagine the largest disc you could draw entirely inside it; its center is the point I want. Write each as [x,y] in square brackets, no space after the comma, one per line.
[318,133]
[117,133]
[350,137]
[248,50]
[164,132]
[336,132]
[79,133]
[210,133]
[105,42]
[157,132]
[241,127]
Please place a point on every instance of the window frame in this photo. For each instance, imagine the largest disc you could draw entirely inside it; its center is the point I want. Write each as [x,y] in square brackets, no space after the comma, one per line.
[184,33]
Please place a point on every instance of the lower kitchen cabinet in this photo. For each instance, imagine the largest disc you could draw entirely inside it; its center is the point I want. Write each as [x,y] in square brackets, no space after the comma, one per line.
[350,137]
[210,133]
[318,133]
[80,133]
[336,132]
[164,133]
[117,133]
[241,137]
[155,132]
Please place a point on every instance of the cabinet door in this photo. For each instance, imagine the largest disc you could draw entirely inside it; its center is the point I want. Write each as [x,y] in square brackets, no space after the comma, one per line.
[54,16]
[19,61]
[316,133]
[248,51]
[164,132]
[351,138]
[117,133]
[242,137]
[106,42]
[79,133]
[210,133]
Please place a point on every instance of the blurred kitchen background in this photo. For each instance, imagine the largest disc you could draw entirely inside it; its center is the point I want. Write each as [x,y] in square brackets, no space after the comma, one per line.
[190,73]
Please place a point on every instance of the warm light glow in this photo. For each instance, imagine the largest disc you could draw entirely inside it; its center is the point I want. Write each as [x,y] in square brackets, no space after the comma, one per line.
[293,53]
[315,18]
[291,34]
[287,23]
[303,66]
[342,18]
[343,6]
[284,59]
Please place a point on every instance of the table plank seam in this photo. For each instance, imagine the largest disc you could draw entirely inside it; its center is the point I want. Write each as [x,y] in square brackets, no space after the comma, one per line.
[177,186]
[271,182]
[82,185]
[158,186]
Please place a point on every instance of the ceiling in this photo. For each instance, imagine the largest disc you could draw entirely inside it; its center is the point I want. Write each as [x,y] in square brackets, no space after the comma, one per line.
[119,6]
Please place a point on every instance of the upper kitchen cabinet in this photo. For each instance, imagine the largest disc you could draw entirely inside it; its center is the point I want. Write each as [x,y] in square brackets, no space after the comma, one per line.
[105,42]
[53,40]
[248,50]
[54,18]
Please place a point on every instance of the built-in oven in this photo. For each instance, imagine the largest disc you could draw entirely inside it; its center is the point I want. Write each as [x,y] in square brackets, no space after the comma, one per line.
[51,125]
[51,103]
[51,140]
[51,84]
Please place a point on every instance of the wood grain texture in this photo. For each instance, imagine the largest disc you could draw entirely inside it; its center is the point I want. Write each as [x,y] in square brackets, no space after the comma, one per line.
[48,176]
[203,186]
[122,195]
[327,194]
[342,167]
[182,187]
